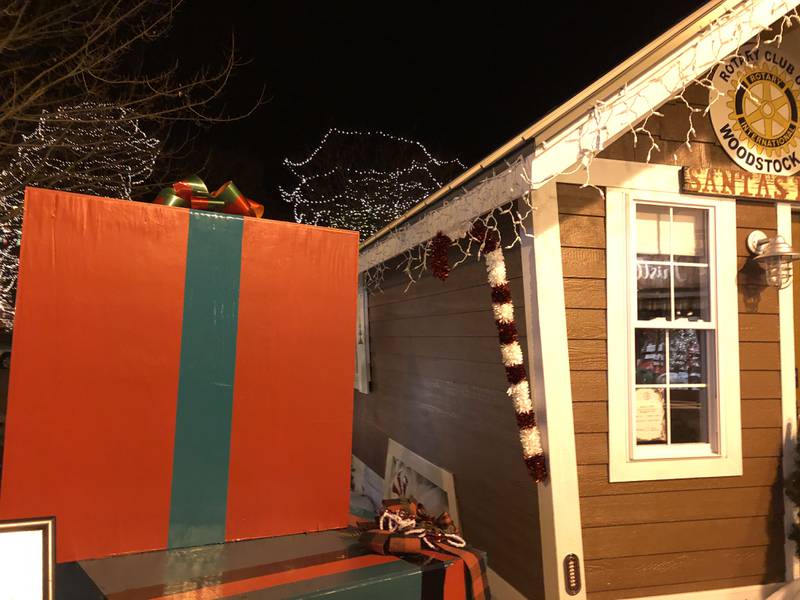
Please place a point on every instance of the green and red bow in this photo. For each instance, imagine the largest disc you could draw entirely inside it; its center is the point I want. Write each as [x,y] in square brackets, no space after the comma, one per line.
[193,193]
[404,527]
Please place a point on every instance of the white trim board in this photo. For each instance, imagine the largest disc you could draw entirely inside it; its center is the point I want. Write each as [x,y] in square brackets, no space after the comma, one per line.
[548,361]
[605,172]
[788,394]
[751,592]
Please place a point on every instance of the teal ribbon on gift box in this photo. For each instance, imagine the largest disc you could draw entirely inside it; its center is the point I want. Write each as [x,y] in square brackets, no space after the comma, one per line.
[198,504]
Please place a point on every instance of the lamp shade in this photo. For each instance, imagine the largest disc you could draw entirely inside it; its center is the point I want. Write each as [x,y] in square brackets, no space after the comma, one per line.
[774,248]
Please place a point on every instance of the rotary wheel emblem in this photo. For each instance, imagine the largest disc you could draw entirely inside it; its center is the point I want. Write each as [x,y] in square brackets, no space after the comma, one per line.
[764,110]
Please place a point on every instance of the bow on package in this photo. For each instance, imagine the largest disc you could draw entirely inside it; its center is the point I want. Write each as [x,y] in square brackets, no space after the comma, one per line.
[405,528]
[193,193]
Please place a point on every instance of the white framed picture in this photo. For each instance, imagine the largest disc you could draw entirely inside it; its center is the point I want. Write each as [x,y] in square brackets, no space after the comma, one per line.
[409,474]
[27,559]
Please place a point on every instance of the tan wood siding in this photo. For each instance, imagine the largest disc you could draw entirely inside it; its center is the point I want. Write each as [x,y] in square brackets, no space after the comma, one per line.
[680,568]
[439,388]
[688,586]
[686,536]
[659,537]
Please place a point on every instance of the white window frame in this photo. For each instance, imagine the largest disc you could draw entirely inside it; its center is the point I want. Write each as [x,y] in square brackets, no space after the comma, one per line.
[723,457]
[362,370]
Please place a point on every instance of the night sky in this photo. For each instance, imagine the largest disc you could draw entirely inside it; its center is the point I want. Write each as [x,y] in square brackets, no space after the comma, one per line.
[461,80]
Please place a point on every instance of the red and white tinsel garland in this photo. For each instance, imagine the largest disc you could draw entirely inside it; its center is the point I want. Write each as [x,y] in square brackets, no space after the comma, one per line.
[511,352]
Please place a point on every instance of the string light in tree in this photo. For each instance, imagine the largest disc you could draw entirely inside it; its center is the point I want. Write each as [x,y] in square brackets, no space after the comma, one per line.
[93,148]
[362,180]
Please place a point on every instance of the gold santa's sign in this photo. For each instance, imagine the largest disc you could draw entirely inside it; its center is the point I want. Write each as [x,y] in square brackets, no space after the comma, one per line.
[741,184]
[754,110]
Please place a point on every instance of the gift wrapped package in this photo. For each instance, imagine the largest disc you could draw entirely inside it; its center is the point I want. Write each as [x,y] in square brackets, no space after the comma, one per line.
[179,377]
[328,564]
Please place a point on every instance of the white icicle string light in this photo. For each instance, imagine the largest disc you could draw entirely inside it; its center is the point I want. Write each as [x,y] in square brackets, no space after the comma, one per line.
[594,139]
[90,148]
[361,197]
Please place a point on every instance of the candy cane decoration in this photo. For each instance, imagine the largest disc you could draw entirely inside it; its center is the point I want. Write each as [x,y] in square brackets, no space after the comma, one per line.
[511,352]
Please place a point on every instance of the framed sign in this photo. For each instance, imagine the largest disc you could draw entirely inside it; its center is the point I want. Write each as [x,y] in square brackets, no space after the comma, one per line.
[27,559]
[715,181]
[409,474]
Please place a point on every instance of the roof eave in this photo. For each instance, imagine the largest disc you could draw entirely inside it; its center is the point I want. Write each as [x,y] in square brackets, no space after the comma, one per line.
[558,119]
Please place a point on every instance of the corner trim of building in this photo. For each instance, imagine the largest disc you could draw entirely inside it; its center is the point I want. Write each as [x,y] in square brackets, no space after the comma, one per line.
[548,359]
[750,592]
[788,394]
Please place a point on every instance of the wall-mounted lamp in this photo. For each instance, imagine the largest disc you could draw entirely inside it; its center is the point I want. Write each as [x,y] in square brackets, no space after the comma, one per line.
[774,255]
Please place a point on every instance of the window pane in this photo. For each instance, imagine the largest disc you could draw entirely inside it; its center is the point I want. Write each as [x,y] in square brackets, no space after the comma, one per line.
[650,356]
[689,234]
[651,420]
[689,415]
[653,294]
[687,356]
[652,232]
[691,293]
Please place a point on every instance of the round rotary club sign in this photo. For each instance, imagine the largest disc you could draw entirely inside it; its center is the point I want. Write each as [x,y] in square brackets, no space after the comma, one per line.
[754,111]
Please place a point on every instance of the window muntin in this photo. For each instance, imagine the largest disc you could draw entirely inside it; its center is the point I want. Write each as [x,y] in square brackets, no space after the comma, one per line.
[673,393]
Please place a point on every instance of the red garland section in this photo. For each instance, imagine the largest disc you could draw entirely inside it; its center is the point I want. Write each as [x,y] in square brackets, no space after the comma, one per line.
[439,247]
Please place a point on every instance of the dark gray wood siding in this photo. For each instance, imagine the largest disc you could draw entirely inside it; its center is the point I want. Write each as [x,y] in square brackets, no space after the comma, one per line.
[439,388]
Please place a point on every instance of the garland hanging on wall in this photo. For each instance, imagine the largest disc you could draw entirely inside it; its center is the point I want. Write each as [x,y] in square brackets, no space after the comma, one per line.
[511,352]
[440,245]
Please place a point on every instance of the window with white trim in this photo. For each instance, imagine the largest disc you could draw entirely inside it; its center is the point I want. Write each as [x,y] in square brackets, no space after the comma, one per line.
[673,365]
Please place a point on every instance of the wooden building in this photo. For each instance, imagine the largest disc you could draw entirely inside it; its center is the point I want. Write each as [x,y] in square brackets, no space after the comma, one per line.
[661,353]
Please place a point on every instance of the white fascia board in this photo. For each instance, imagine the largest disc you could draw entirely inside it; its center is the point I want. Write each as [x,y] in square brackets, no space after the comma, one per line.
[452,217]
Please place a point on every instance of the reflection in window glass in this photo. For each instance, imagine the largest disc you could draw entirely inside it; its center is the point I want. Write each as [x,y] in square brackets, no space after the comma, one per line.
[687,356]
[691,293]
[684,354]
[688,235]
[652,232]
[650,356]
[653,291]
[688,409]
[671,391]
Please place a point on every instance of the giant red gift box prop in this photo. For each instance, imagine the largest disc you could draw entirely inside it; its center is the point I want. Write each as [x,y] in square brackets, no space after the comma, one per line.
[179,377]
